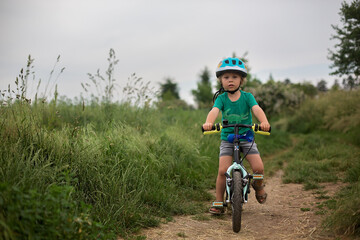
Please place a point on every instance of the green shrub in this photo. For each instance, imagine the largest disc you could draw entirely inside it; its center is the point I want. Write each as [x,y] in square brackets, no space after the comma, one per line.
[28,214]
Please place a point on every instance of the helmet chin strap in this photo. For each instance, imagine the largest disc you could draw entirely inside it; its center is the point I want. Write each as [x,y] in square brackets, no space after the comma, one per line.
[221,90]
[232,92]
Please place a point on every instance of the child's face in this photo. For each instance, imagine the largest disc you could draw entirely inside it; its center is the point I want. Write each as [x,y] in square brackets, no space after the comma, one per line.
[230,81]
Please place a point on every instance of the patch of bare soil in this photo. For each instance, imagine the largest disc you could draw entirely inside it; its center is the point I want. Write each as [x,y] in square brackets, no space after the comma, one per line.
[289,213]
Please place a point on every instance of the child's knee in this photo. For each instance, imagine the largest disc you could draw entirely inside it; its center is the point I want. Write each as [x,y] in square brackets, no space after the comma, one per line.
[221,172]
[258,170]
[257,165]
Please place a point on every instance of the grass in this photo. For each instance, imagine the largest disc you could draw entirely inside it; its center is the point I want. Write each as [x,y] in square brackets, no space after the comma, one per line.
[317,158]
[130,171]
[201,217]
[181,234]
[337,111]
[128,167]
[345,216]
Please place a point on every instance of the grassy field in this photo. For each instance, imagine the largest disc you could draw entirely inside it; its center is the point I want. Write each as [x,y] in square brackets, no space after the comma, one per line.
[70,171]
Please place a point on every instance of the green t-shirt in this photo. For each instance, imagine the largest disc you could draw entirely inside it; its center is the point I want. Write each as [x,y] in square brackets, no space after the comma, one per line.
[235,112]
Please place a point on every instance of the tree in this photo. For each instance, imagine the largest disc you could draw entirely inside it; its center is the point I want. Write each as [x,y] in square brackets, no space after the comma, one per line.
[335,86]
[321,86]
[271,79]
[203,94]
[169,96]
[307,87]
[287,81]
[252,82]
[346,59]
[169,90]
[350,82]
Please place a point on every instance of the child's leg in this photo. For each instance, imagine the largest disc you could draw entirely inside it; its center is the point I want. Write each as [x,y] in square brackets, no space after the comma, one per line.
[224,163]
[258,167]
[256,163]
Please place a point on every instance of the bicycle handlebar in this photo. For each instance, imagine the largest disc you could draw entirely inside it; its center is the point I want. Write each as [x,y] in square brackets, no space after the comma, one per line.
[217,127]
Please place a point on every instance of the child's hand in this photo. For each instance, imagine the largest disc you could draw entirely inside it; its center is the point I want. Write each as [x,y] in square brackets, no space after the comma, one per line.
[265,126]
[207,126]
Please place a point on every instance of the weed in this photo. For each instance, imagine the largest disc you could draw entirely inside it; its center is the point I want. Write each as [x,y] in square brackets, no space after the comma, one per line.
[311,185]
[181,234]
[322,197]
[138,92]
[104,86]
[320,206]
[331,204]
[321,212]
[201,217]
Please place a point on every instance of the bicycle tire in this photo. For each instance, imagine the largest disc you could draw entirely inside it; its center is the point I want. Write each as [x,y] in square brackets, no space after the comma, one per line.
[237,201]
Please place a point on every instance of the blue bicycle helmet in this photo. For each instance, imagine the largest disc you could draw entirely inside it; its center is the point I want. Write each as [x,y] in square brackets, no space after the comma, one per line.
[231,64]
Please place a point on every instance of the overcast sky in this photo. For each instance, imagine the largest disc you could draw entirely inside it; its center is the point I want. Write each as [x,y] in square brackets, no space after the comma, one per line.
[166,38]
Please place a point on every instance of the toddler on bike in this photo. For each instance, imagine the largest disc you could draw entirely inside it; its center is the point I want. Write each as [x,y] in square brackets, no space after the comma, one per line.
[236,106]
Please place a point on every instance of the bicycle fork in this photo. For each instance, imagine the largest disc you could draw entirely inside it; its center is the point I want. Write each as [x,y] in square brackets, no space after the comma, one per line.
[246,180]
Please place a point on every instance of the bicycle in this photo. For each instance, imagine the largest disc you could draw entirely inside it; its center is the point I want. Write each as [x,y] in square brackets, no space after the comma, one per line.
[238,180]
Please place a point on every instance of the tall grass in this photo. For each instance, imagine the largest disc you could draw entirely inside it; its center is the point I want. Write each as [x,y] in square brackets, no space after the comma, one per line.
[118,166]
[335,111]
[129,169]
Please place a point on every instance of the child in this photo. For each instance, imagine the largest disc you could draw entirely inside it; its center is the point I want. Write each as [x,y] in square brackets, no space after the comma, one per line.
[236,106]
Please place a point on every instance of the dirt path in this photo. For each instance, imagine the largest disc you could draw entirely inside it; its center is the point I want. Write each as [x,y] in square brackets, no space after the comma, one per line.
[289,213]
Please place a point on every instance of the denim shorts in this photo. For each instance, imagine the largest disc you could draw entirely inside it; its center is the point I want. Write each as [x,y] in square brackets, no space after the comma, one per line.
[227,148]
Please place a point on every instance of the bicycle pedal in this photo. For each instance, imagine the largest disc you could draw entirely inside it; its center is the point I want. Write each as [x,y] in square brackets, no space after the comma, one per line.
[258,176]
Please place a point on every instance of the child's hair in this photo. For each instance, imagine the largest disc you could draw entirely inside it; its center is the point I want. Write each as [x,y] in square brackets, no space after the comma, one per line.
[222,90]
[217,93]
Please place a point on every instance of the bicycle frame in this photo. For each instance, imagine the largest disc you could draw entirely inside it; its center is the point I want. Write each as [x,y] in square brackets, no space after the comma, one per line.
[238,166]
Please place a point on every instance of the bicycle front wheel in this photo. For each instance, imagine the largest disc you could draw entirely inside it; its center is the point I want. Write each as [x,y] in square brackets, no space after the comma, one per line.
[237,201]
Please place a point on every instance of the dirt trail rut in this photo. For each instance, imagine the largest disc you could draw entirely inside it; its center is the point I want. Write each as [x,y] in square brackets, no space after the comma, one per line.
[280,217]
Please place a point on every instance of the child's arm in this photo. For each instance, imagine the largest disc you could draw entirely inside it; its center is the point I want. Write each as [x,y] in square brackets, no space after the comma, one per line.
[211,117]
[260,115]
